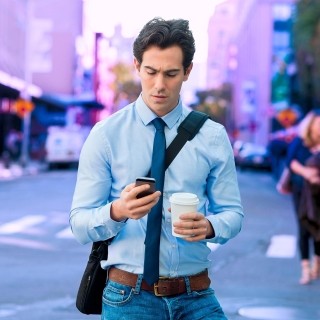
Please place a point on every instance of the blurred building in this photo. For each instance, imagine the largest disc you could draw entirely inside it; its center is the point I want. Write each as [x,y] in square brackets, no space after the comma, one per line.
[248,42]
[38,37]
[37,59]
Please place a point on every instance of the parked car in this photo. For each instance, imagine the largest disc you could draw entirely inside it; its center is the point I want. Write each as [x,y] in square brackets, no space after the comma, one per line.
[64,144]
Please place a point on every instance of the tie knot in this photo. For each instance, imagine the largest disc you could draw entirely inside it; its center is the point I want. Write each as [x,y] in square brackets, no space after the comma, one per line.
[159,124]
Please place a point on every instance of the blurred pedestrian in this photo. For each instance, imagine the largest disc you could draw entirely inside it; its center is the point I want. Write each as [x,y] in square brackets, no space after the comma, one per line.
[105,203]
[13,144]
[309,212]
[300,150]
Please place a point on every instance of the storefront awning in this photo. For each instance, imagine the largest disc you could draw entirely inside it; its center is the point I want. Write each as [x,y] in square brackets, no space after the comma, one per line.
[8,92]
[12,87]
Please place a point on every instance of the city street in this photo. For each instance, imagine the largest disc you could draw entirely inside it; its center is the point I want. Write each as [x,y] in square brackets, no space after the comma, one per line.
[255,275]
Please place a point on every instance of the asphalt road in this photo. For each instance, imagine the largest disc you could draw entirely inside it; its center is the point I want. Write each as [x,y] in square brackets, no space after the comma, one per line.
[255,275]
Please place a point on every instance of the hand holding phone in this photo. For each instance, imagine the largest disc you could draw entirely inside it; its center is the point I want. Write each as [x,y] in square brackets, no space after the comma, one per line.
[145,180]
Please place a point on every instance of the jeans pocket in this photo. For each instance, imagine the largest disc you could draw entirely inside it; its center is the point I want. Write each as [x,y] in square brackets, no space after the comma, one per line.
[116,294]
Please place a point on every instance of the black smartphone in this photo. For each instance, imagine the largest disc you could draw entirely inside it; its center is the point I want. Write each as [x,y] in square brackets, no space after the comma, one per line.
[145,180]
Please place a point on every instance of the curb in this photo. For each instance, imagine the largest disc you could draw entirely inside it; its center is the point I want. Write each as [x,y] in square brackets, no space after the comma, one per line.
[15,170]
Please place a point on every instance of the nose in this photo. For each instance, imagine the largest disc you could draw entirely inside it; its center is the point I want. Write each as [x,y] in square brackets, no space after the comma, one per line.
[159,83]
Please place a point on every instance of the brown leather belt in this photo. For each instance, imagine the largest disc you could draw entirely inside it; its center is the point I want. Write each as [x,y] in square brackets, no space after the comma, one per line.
[165,286]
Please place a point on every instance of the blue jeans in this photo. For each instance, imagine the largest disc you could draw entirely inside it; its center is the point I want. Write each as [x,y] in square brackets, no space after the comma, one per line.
[127,303]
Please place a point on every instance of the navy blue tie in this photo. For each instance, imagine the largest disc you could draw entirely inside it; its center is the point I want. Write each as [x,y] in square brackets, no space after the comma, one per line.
[152,241]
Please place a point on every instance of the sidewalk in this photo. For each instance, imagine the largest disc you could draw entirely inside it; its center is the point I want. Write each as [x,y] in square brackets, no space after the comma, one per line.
[256,276]
[15,170]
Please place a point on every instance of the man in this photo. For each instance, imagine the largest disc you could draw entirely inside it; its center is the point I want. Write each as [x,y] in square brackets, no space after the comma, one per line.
[105,204]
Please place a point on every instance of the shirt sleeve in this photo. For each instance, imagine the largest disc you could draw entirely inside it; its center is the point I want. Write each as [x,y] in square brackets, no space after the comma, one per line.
[90,210]
[225,208]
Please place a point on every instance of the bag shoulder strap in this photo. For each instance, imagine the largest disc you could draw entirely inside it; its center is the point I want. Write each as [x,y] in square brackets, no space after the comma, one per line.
[187,130]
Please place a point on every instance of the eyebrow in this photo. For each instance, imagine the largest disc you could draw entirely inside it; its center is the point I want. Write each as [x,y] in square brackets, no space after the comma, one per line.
[166,71]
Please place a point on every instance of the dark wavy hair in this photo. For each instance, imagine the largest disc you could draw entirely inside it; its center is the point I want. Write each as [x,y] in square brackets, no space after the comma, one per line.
[163,34]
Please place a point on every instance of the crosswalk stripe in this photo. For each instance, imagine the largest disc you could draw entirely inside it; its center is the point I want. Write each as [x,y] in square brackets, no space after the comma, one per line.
[26,243]
[65,234]
[282,246]
[22,224]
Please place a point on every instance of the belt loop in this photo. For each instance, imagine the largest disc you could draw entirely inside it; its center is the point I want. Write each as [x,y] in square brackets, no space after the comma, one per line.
[188,286]
[107,274]
[137,288]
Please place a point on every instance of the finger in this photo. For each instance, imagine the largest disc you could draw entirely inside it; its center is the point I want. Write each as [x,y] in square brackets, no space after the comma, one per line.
[147,206]
[192,216]
[194,238]
[196,229]
[198,225]
[149,198]
[139,189]
[187,230]
[141,209]
[199,232]
[191,235]
[129,187]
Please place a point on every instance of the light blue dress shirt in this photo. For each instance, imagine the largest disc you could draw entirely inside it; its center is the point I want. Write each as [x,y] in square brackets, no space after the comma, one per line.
[117,151]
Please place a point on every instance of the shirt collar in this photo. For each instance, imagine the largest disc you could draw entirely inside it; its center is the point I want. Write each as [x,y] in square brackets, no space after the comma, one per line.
[147,115]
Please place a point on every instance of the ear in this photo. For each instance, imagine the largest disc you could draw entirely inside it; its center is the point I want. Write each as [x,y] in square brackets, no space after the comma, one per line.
[186,76]
[137,65]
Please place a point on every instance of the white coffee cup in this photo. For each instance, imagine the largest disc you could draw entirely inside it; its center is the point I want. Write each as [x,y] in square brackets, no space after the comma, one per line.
[182,202]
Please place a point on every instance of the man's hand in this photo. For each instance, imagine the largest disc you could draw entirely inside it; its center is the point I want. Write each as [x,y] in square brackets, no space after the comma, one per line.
[194,225]
[129,207]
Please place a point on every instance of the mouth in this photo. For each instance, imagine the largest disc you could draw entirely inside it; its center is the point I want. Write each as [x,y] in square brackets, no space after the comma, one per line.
[159,98]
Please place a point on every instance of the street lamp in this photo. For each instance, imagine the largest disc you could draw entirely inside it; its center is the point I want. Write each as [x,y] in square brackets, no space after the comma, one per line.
[24,159]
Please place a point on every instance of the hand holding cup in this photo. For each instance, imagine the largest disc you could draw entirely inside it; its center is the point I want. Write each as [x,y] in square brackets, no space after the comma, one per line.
[181,203]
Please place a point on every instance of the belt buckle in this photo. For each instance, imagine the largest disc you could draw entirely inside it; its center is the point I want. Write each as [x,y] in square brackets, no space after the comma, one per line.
[155,290]
[156,286]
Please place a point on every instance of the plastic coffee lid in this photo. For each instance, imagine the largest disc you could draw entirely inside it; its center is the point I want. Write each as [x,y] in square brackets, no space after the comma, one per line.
[184,198]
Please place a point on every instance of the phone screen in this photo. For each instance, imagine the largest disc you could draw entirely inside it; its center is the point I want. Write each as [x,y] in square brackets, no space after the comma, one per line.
[145,180]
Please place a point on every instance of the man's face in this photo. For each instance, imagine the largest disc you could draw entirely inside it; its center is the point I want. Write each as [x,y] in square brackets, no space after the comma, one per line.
[162,74]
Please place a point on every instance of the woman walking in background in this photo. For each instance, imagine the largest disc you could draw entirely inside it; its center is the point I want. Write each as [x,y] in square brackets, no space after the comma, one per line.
[300,150]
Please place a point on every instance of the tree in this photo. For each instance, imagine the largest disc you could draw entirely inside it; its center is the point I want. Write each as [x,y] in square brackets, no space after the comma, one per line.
[306,37]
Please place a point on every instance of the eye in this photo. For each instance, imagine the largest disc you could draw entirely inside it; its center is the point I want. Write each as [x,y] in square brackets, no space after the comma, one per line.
[171,74]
